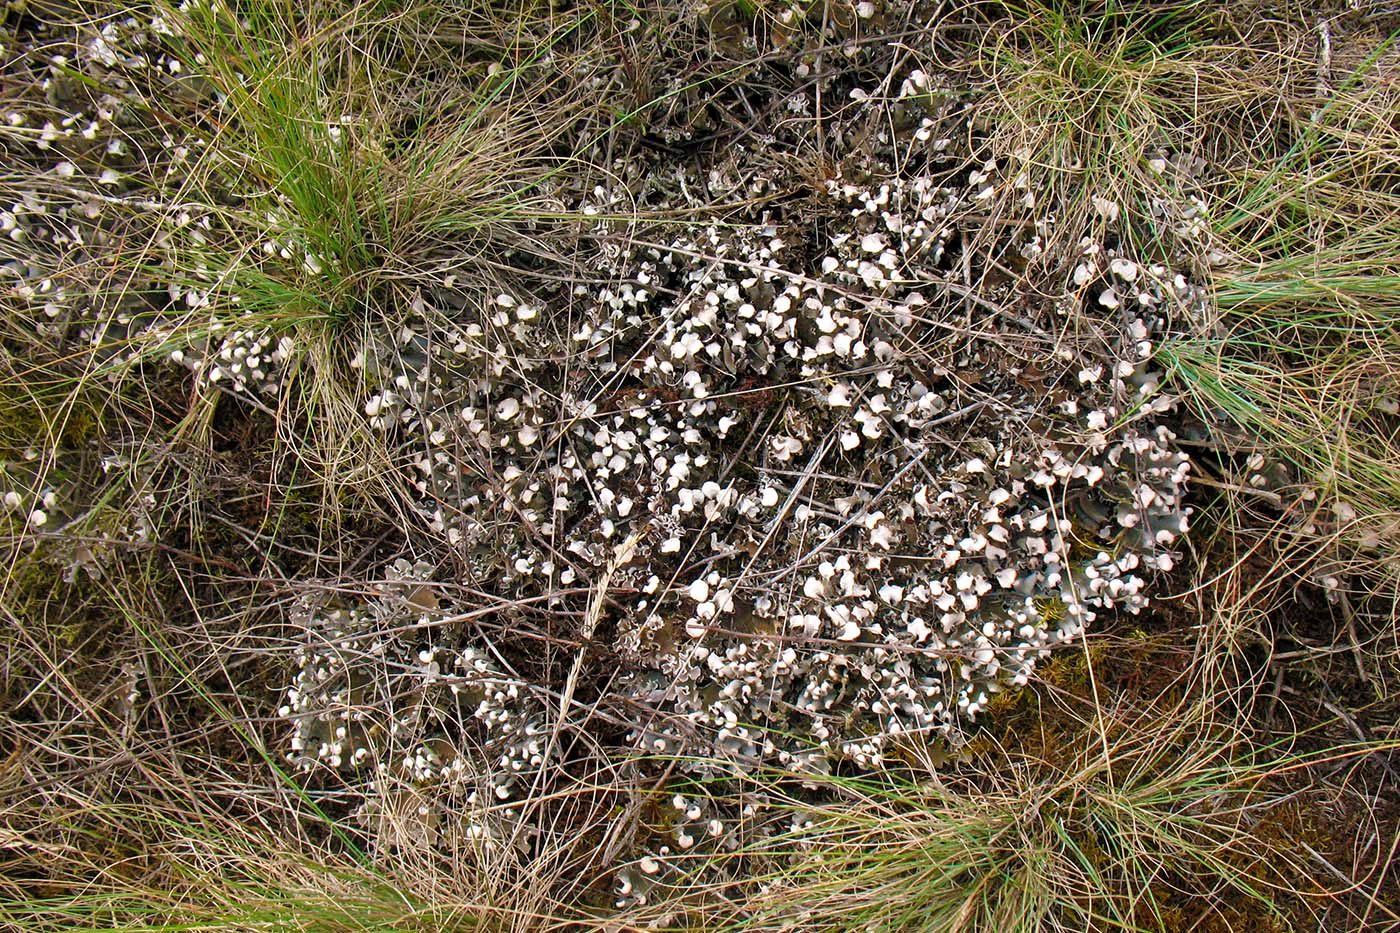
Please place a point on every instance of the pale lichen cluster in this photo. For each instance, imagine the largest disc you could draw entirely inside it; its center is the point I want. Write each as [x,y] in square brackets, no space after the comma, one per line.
[820,491]
[372,691]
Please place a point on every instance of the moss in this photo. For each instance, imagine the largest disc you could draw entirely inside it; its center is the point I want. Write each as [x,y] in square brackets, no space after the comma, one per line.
[1050,609]
[1003,703]
[38,415]
[1069,670]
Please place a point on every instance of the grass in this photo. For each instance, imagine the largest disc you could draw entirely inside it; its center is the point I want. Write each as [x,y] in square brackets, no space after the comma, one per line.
[1158,817]
[1304,351]
[1165,777]
[368,211]
[1083,94]
[1084,849]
